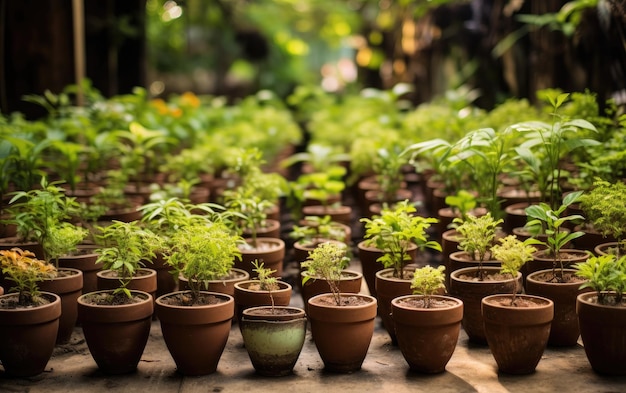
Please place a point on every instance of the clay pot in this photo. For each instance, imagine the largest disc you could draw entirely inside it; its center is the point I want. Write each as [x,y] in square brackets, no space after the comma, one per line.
[387,289]
[246,297]
[85,261]
[271,229]
[225,285]
[166,282]
[350,282]
[368,256]
[28,336]
[196,335]
[116,334]
[342,334]
[270,251]
[273,338]
[471,292]
[564,331]
[144,280]
[418,328]
[541,261]
[68,285]
[341,214]
[517,336]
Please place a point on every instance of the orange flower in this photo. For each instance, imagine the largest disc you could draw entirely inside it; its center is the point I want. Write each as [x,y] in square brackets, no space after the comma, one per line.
[189,99]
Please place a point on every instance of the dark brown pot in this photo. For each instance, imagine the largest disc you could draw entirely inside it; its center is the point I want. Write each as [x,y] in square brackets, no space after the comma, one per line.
[447,215]
[472,291]
[28,336]
[350,282]
[565,330]
[368,256]
[342,334]
[515,216]
[512,195]
[271,253]
[341,214]
[68,285]
[603,333]
[246,297]
[273,338]
[85,261]
[387,289]
[590,240]
[8,243]
[196,335]
[116,334]
[427,337]
[517,336]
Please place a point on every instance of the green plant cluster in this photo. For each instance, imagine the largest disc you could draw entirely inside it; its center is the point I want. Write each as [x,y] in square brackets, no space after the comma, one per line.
[605,274]
[427,281]
[326,261]
[25,271]
[394,231]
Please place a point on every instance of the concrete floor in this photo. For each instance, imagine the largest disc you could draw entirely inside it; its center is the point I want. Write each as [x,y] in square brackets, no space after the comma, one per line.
[471,369]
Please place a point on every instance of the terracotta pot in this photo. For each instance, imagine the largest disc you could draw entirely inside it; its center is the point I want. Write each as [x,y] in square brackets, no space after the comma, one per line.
[590,240]
[246,297]
[272,229]
[461,260]
[387,289]
[449,244]
[8,243]
[368,256]
[515,216]
[540,261]
[271,252]
[341,214]
[166,282]
[607,248]
[565,330]
[350,282]
[472,291]
[374,197]
[513,195]
[342,334]
[28,336]
[85,261]
[68,285]
[225,285]
[517,336]
[427,337]
[116,334]
[273,338]
[447,215]
[301,250]
[603,333]
[145,280]
[196,335]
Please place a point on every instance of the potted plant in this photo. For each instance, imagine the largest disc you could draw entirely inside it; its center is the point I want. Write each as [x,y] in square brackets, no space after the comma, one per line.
[605,208]
[29,319]
[482,277]
[40,216]
[342,324]
[601,313]
[313,282]
[546,144]
[274,334]
[265,289]
[250,213]
[124,304]
[315,230]
[517,326]
[196,323]
[426,317]
[394,233]
[391,188]
[548,222]
[549,273]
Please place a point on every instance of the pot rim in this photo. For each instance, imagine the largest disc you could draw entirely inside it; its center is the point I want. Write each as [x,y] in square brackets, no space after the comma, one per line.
[396,302]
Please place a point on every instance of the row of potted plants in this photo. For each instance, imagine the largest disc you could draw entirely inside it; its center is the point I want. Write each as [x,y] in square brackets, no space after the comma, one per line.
[241,177]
